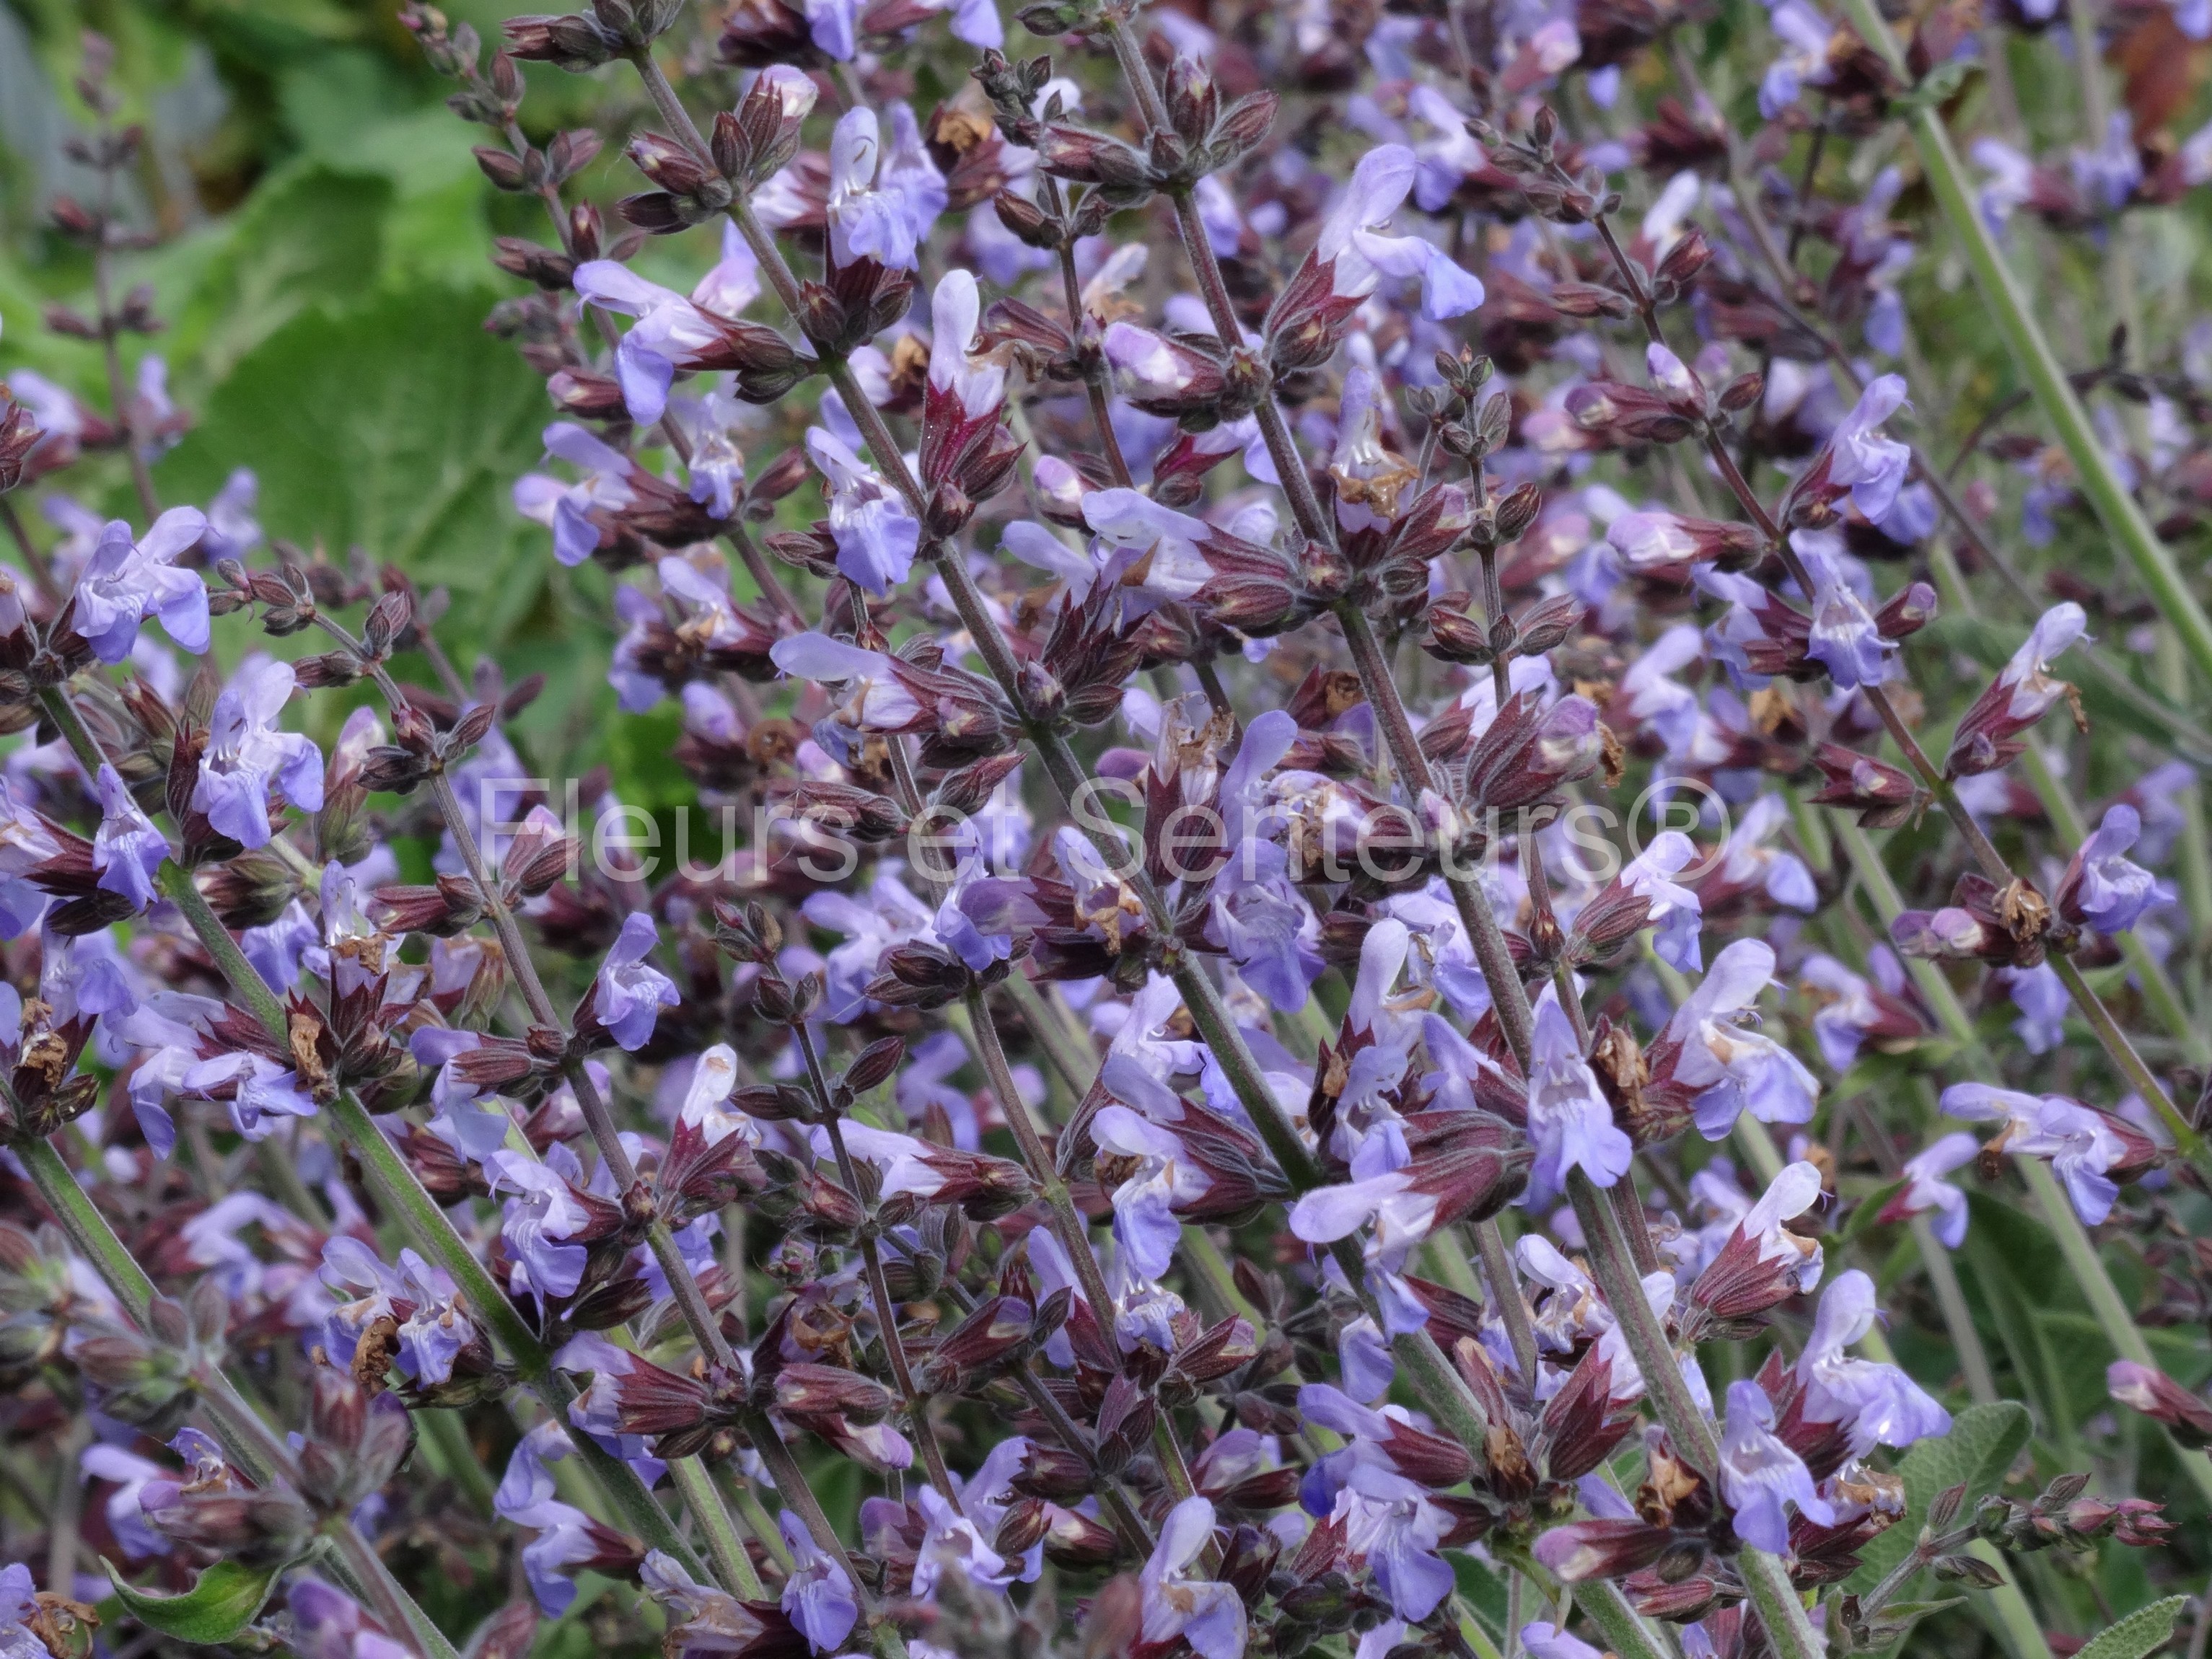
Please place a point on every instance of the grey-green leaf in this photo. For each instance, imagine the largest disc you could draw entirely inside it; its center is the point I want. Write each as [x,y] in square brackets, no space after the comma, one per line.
[1982,1442]
[2144,1630]
[214,1610]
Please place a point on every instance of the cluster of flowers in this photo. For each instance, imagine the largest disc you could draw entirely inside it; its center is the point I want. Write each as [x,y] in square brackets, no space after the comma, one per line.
[1019,1175]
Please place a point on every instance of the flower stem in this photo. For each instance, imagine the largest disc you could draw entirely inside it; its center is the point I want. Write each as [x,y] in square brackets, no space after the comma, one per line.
[727,1551]
[247,1440]
[1788,1628]
[2108,495]
[871,1258]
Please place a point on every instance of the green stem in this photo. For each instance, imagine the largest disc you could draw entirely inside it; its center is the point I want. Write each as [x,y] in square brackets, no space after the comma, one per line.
[738,1494]
[447,1434]
[2114,1317]
[733,1566]
[2122,518]
[1786,1627]
[247,1440]
[1624,1632]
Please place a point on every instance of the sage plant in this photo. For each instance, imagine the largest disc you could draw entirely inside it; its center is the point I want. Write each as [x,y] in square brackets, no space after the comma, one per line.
[1299,624]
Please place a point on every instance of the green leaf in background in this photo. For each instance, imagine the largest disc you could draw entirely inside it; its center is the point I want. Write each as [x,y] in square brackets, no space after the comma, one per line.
[2144,1630]
[215,1609]
[1981,1446]
[313,234]
[396,424]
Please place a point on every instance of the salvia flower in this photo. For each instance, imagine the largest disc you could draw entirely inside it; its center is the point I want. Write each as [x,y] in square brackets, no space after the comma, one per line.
[126,849]
[247,755]
[1732,1070]
[2090,1151]
[1925,1191]
[1760,1477]
[629,992]
[1177,1603]
[1988,736]
[881,202]
[1879,1404]
[2101,888]
[127,581]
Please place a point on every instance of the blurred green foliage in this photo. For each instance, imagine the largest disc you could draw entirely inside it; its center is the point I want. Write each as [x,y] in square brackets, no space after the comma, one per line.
[322,269]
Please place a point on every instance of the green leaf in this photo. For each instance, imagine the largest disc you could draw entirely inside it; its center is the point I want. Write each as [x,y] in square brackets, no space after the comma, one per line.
[1483,1591]
[220,1605]
[1981,1446]
[396,424]
[2144,1630]
[312,233]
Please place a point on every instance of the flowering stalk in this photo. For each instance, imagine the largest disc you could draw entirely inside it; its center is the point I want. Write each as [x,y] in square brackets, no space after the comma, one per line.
[1763,1575]
[2057,800]
[388,1176]
[2039,364]
[872,1255]
[2086,1267]
[246,1438]
[1433,1377]
[2115,1042]
[706,1329]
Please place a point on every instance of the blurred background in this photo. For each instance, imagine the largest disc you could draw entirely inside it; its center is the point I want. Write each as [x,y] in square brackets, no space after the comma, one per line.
[321,235]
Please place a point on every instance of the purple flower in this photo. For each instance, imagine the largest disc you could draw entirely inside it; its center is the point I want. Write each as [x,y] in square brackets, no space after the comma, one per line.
[536,1222]
[257,1089]
[1845,639]
[1161,1178]
[817,1595]
[1746,861]
[876,531]
[328,1624]
[1650,697]
[882,205]
[1388,1521]
[1545,1640]
[1734,1069]
[1804,34]
[890,914]
[1871,465]
[1880,1403]
[566,508]
[2044,1002]
[2080,1144]
[246,755]
[978,382]
[1925,1190]
[672,332]
[955,1541]
[433,1326]
[232,530]
[569,1540]
[2022,693]
[1760,1477]
[1569,1119]
[1676,916]
[1209,1616]
[2102,887]
[129,1472]
[126,582]
[629,992]
[126,849]
[1360,255]
[1841,1023]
